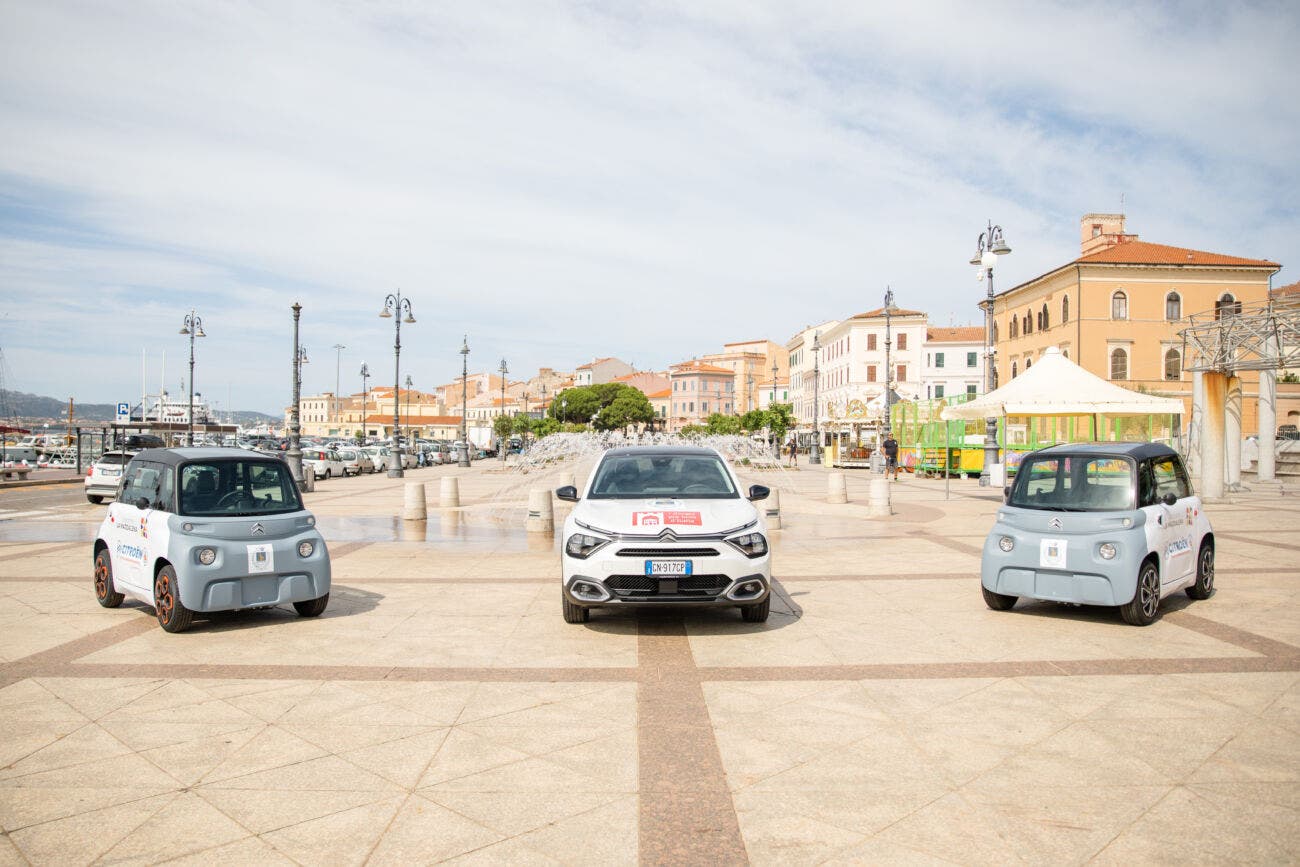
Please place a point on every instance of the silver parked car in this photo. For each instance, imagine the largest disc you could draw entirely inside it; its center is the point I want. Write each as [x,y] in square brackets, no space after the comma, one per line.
[104,474]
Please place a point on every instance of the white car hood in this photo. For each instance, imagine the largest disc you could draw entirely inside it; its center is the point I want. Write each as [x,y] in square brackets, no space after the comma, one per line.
[650,517]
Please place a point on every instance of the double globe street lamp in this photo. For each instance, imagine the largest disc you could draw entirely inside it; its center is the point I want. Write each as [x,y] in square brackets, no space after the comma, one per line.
[193,326]
[294,454]
[395,303]
[889,369]
[365,399]
[990,245]
[463,461]
[503,439]
[815,453]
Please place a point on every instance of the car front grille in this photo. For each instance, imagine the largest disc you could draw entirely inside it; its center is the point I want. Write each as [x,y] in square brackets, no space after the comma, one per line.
[667,552]
[689,587]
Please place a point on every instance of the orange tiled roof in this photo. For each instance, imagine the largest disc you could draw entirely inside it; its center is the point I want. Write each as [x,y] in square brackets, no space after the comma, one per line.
[879,312]
[664,393]
[1285,291]
[1145,253]
[700,367]
[387,418]
[960,334]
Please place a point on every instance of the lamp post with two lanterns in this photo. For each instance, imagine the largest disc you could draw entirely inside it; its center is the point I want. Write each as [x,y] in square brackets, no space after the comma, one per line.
[815,452]
[294,454]
[193,326]
[394,303]
[464,403]
[990,245]
[365,398]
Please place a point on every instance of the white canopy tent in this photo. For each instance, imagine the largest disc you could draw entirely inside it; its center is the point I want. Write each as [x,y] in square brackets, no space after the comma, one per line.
[1056,386]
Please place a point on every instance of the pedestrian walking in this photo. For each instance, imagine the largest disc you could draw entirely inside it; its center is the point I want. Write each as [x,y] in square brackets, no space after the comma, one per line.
[794,454]
[890,448]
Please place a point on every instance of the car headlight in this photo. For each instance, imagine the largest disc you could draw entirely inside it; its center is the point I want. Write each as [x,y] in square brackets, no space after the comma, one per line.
[1006,543]
[750,544]
[306,548]
[1107,551]
[207,556]
[581,545]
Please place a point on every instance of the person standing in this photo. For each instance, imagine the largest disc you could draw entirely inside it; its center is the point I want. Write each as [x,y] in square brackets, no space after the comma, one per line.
[794,453]
[890,448]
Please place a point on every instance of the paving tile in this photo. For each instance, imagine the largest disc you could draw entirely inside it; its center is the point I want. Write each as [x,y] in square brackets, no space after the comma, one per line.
[424,832]
[85,837]
[186,825]
[345,837]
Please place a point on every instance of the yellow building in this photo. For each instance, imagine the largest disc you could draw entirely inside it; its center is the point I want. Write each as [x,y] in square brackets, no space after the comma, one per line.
[1117,310]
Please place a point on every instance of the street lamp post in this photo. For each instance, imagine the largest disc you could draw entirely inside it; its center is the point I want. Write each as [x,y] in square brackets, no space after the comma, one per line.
[464,402]
[523,437]
[990,245]
[889,370]
[294,455]
[815,453]
[502,446]
[395,303]
[365,397]
[193,326]
[774,370]
[338,359]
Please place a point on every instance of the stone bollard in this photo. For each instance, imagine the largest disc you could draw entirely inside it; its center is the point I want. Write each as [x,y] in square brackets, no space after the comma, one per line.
[415,508]
[836,490]
[308,480]
[541,511]
[878,500]
[772,510]
[450,494]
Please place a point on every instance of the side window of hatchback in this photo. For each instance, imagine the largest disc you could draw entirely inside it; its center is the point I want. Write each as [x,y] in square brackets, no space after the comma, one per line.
[1169,478]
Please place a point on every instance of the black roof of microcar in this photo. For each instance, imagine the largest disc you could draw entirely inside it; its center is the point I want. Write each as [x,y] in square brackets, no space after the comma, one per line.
[1137,451]
[175,457]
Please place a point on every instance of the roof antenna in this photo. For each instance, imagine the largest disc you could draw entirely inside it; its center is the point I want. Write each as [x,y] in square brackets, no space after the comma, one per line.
[1121,204]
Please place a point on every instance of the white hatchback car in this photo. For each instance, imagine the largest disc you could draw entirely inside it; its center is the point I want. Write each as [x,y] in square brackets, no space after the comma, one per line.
[325,463]
[665,527]
[104,475]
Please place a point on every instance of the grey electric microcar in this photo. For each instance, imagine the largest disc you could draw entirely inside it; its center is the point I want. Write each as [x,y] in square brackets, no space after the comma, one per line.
[210,529]
[1100,524]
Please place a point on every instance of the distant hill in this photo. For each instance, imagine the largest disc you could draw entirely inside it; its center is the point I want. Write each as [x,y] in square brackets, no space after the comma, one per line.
[19,406]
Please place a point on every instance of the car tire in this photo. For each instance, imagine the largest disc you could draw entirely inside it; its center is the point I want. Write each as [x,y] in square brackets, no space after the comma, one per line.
[574,613]
[95,498]
[1204,586]
[172,615]
[328,473]
[312,607]
[105,591]
[757,613]
[998,601]
[1144,607]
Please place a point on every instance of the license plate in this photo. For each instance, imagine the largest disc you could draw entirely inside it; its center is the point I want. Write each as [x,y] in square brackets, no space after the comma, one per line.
[110,473]
[668,567]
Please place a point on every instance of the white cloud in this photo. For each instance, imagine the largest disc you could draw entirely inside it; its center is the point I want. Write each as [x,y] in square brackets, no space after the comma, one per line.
[564,181]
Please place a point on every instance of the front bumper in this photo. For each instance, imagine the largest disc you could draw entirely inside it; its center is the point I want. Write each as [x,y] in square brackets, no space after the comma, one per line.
[226,585]
[1086,579]
[615,576]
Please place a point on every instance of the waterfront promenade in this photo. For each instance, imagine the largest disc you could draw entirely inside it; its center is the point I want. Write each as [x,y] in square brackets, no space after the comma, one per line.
[442,710]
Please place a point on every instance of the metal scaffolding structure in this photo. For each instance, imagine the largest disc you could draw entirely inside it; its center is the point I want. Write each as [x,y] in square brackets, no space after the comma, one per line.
[1217,347]
[1260,336]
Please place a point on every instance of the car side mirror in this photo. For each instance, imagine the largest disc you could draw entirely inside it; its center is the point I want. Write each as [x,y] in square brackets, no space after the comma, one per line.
[568,493]
[142,503]
[1168,499]
[758,492]
[1006,494]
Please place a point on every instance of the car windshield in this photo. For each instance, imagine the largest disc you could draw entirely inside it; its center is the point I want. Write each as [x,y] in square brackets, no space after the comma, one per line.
[237,488]
[1074,483]
[627,477]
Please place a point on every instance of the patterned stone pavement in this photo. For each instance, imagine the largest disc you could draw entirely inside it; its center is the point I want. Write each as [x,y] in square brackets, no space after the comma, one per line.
[441,710]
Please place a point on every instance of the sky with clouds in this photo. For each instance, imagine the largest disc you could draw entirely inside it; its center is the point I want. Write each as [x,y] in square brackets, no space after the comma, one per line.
[562,181]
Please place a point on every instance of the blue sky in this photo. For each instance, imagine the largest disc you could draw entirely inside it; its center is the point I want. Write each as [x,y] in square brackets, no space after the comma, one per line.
[569,180]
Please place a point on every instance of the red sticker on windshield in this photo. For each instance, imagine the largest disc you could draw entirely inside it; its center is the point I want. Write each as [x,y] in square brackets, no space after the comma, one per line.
[660,519]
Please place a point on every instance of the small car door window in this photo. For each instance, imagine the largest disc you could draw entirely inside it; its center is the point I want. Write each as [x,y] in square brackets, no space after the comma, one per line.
[1146,486]
[1168,479]
[141,483]
[166,489]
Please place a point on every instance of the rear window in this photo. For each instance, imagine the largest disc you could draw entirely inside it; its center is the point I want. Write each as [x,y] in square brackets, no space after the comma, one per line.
[1074,483]
[115,459]
[237,488]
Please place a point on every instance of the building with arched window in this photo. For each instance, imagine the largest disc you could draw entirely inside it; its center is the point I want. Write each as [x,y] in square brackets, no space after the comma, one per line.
[1122,302]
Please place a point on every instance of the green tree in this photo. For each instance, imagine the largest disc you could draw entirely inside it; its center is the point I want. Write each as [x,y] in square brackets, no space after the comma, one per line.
[693,430]
[718,423]
[780,418]
[754,420]
[544,427]
[501,426]
[522,424]
[628,407]
[612,405]
[576,404]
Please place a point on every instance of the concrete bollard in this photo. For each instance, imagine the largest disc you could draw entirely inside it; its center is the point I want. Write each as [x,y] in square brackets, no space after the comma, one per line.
[308,480]
[415,508]
[415,531]
[878,499]
[541,511]
[449,496]
[836,490]
[772,510]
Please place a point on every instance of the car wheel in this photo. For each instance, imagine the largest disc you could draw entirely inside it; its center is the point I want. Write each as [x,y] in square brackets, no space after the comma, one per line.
[105,592]
[574,613]
[172,615]
[327,473]
[757,613]
[1204,586]
[95,498]
[1144,607]
[312,607]
[998,601]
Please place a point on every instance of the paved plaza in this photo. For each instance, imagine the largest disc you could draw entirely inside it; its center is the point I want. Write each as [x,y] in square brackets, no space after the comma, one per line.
[441,709]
